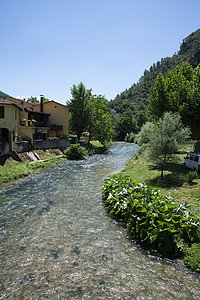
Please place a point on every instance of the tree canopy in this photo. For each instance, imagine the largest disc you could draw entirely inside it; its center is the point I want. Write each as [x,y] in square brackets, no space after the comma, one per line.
[90,113]
[137,97]
[79,105]
[178,91]
[164,138]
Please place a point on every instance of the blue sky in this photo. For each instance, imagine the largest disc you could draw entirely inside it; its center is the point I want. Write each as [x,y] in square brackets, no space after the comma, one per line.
[49,45]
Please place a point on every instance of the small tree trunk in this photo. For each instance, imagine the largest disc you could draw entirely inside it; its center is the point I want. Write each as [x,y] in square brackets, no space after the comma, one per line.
[162,169]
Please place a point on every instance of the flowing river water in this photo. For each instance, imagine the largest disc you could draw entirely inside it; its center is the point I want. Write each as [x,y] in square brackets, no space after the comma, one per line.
[58,242]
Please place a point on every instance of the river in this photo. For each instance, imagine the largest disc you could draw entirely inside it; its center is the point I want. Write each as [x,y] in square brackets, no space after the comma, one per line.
[58,242]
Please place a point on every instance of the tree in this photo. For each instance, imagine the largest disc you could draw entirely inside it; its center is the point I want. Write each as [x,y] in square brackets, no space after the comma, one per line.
[126,124]
[178,92]
[165,138]
[100,126]
[79,105]
[159,101]
[32,100]
[145,133]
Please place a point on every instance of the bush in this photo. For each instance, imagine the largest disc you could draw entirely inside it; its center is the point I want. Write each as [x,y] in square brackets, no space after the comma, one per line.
[154,219]
[145,133]
[75,152]
[130,138]
[192,257]
[191,175]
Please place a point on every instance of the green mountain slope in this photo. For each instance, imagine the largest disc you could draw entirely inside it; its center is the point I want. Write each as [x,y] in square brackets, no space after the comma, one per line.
[3,95]
[136,97]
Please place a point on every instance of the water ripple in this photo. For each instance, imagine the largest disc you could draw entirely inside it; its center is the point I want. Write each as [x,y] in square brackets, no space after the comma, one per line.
[58,242]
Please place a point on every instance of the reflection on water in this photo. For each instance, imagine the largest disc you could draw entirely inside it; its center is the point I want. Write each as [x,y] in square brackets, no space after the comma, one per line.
[57,241]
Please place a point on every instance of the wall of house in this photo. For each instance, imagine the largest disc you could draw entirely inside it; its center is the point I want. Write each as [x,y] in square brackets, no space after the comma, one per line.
[11,119]
[59,116]
[21,147]
[26,132]
[61,144]
[24,116]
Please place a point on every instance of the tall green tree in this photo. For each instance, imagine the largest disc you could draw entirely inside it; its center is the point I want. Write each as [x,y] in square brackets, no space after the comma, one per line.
[100,126]
[126,124]
[159,102]
[79,104]
[178,92]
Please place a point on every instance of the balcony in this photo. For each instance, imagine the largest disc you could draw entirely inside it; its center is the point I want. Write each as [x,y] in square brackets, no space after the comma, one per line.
[56,127]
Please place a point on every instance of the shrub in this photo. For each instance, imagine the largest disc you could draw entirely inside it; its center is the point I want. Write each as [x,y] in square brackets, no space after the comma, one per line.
[130,138]
[192,257]
[145,133]
[191,175]
[75,152]
[156,220]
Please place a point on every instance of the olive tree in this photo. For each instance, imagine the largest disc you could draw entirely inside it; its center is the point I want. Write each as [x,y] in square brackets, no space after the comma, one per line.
[165,139]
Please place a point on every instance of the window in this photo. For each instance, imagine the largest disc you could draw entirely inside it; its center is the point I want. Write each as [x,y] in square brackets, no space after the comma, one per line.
[1,112]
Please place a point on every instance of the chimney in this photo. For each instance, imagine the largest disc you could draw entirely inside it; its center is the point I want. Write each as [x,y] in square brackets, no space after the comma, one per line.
[41,103]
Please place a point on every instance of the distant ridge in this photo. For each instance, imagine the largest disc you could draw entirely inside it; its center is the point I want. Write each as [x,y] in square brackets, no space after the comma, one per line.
[4,95]
[136,98]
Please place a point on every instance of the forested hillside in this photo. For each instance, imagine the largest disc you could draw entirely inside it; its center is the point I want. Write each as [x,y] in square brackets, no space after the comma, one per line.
[136,98]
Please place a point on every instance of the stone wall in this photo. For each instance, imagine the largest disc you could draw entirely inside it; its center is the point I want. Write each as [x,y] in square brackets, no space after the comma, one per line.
[61,144]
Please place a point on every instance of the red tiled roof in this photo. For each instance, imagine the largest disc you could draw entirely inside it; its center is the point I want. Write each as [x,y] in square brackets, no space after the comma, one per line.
[4,101]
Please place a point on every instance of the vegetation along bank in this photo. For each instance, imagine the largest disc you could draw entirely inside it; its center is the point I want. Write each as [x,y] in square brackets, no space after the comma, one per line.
[163,213]
[13,170]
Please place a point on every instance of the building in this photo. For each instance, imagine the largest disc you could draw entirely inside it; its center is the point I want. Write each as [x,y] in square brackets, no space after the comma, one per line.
[58,118]
[26,125]
[9,125]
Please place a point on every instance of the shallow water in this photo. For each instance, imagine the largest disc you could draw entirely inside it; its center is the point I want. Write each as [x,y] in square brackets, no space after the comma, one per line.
[58,242]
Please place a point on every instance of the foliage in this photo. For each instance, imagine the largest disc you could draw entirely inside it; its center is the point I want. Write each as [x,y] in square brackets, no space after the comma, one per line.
[154,219]
[130,138]
[178,92]
[17,170]
[165,138]
[100,126]
[191,175]
[145,133]
[32,100]
[192,257]
[137,97]
[125,124]
[79,104]
[75,152]
[90,113]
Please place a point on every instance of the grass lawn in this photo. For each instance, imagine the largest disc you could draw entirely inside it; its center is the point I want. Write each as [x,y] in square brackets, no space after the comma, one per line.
[174,182]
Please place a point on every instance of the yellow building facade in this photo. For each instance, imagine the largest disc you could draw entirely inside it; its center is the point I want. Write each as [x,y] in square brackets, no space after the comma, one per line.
[58,119]
[9,121]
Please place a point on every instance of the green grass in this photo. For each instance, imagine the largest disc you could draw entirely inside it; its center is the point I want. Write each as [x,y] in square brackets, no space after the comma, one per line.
[175,184]
[14,170]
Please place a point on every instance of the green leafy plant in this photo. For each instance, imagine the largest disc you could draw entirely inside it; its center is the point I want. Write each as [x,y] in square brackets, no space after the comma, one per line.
[154,219]
[191,175]
[75,152]
[192,257]
[130,138]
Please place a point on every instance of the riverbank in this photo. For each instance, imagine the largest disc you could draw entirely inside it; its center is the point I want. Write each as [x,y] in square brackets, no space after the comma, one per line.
[174,184]
[13,170]
[175,181]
